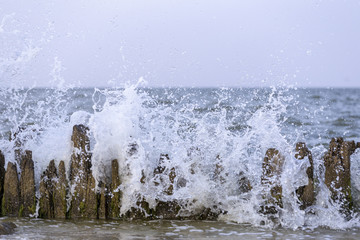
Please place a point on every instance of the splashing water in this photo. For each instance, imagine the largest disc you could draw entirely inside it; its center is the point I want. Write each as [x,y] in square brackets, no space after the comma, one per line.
[213,138]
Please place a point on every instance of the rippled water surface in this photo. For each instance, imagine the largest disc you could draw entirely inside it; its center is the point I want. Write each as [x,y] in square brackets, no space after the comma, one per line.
[97,229]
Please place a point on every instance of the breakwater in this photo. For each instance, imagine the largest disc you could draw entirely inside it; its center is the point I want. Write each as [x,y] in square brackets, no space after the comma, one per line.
[75,193]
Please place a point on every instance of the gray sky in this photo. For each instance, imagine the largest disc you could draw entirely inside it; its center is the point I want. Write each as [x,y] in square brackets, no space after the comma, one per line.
[180,43]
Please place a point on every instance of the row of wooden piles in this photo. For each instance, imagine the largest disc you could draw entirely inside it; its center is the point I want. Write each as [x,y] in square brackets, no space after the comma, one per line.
[337,176]
[76,196]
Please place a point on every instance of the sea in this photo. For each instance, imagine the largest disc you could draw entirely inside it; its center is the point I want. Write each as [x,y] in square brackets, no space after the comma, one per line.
[199,129]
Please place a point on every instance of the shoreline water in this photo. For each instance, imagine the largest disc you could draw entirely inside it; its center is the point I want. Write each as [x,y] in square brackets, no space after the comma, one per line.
[162,229]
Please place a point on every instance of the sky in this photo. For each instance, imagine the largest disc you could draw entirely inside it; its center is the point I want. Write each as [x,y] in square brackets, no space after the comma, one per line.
[188,43]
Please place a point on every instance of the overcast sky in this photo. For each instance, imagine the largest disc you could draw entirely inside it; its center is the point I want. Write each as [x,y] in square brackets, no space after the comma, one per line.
[180,43]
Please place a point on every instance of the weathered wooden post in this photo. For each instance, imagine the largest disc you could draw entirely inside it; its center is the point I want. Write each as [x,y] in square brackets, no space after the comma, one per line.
[61,192]
[11,199]
[47,185]
[103,199]
[337,172]
[84,198]
[272,168]
[115,202]
[53,192]
[27,185]
[306,194]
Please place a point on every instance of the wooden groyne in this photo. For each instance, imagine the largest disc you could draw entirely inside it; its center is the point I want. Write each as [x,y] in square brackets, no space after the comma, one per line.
[77,195]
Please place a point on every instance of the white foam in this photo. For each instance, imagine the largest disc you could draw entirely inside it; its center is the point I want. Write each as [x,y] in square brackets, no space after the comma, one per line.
[208,158]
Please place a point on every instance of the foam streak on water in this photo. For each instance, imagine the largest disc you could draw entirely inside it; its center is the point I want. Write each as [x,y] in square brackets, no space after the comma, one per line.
[213,138]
